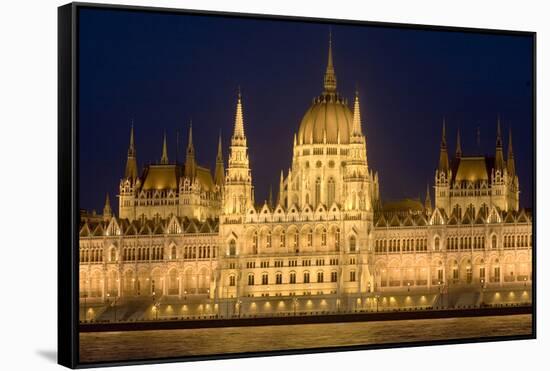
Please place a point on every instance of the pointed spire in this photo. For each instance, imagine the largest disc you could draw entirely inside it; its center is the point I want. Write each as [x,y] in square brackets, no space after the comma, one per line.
[428,200]
[458,152]
[132,146]
[107,211]
[131,170]
[330,76]
[499,154]
[238,132]
[164,158]
[281,189]
[270,196]
[219,173]
[443,156]
[190,162]
[356,116]
[511,163]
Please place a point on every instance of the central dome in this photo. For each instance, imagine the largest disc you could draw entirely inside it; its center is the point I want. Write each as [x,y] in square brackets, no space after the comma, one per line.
[328,114]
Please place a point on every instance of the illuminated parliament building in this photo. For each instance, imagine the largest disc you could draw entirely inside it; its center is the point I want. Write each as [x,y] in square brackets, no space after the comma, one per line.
[186,242]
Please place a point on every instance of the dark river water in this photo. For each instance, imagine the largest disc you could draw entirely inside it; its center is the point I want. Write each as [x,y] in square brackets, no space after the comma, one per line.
[133,345]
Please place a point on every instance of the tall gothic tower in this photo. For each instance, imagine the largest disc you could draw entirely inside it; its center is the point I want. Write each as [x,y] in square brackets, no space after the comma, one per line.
[238,191]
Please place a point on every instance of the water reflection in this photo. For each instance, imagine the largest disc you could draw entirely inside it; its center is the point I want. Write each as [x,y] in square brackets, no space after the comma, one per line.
[132,345]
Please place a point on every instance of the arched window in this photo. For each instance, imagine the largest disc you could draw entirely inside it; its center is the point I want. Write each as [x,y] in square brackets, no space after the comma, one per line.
[494,242]
[173,253]
[317,191]
[436,243]
[323,237]
[268,239]
[250,280]
[352,244]
[232,248]
[283,239]
[279,278]
[113,254]
[231,280]
[292,277]
[310,238]
[320,277]
[331,191]
[306,277]
[337,239]
[255,243]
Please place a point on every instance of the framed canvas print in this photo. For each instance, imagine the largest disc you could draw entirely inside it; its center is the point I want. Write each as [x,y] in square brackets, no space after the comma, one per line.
[235,185]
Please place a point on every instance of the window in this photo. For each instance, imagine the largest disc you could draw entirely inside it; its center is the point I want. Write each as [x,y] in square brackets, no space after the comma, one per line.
[232,281]
[265,279]
[173,253]
[283,240]
[482,274]
[352,276]
[232,248]
[331,192]
[337,239]
[113,255]
[494,242]
[309,238]
[317,191]
[279,278]
[323,237]
[255,243]
[436,243]
[352,244]
[334,277]
[497,274]
[268,239]
[250,280]
[292,278]
[306,277]
[320,277]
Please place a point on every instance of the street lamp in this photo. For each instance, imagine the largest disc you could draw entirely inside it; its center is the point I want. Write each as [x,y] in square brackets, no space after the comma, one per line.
[524,281]
[239,302]
[408,286]
[377,297]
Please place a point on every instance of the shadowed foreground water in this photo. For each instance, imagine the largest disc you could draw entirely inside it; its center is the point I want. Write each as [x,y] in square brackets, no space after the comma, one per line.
[133,345]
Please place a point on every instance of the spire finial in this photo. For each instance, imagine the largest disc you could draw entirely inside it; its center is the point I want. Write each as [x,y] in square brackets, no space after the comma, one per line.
[499,133]
[107,211]
[458,152]
[130,171]
[239,121]
[443,157]
[190,146]
[444,135]
[356,116]
[164,158]
[511,163]
[330,76]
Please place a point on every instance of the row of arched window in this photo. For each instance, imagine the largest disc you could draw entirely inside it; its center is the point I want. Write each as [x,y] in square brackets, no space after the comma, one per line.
[466,243]
[522,240]
[398,245]
[91,255]
[306,278]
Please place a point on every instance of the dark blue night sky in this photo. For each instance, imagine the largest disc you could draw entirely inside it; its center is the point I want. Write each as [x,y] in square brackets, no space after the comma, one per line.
[163,70]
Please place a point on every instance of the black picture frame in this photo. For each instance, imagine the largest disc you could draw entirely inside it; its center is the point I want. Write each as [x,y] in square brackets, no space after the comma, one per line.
[68,185]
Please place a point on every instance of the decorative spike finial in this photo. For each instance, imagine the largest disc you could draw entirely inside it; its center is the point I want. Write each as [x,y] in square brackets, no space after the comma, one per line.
[164,158]
[356,116]
[458,152]
[443,156]
[131,170]
[499,155]
[239,121]
[107,211]
[511,162]
[330,75]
